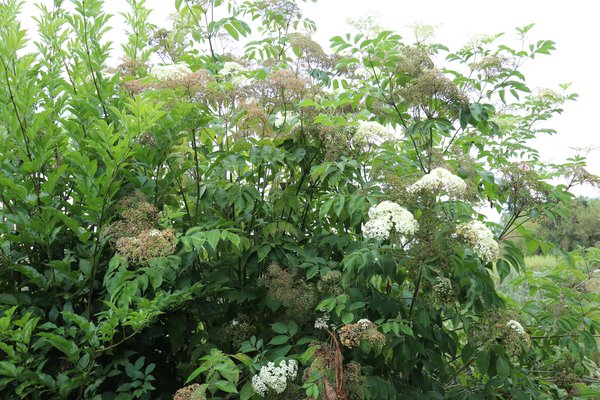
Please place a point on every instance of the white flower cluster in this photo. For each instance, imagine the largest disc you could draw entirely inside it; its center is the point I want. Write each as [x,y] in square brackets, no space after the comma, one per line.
[231,68]
[274,378]
[365,323]
[387,216]
[371,132]
[479,236]
[235,72]
[516,326]
[441,182]
[322,322]
[170,72]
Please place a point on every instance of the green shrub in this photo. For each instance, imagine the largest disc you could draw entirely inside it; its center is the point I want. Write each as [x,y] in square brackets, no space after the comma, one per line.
[281,222]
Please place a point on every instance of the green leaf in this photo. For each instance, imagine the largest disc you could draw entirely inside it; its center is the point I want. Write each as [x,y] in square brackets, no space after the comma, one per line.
[503,269]
[263,251]
[292,328]
[280,351]
[347,317]
[232,31]
[213,238]
[244,359]
[338,205]
[483,362]
[8,369]
[226,386]
[279,339]
[502,367]
[279,327]
[247,392]
[67,347]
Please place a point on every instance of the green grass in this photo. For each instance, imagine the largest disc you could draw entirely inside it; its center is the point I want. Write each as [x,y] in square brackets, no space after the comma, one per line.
[541,263]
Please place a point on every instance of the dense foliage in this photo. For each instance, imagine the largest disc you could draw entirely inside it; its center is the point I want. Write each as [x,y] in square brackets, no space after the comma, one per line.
[214,218]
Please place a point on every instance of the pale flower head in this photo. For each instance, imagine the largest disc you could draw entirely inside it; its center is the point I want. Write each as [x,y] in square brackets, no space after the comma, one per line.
[440,182]
[322,322]
[386,217]
[516,326]
[235,73]
[170,72]
[274,378]
[372,133]
[481,239]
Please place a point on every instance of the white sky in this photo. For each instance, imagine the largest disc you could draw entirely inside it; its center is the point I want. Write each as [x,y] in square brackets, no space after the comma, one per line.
[572,25]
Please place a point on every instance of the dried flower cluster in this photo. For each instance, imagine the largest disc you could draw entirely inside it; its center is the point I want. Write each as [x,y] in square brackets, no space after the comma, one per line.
[501,326]
[191,392]
[136,215]
[491,65]
[351,335]
[481,239]
[440,182]
[170,72]
[297,297]
[149,244]
[523,186]
[329,366]
[433,93]
[272,378]
[237,331]
[388,217]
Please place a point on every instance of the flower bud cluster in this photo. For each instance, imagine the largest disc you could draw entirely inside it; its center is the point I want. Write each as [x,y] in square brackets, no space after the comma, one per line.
[274,378]
[443,287]
[387,217]
[481,239]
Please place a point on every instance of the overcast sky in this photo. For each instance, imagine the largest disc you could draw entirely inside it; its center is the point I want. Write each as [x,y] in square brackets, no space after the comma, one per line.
[572,25]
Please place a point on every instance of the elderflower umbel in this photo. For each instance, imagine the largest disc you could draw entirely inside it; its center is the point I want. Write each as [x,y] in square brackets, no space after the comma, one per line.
[274,378]
[234,71]
[440,181]
[481,239]
[170,72]
[516,326]
[322,322]
[371,132]
[387,216]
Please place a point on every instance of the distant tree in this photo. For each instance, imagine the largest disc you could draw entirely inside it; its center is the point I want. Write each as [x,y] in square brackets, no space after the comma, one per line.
[581,228]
